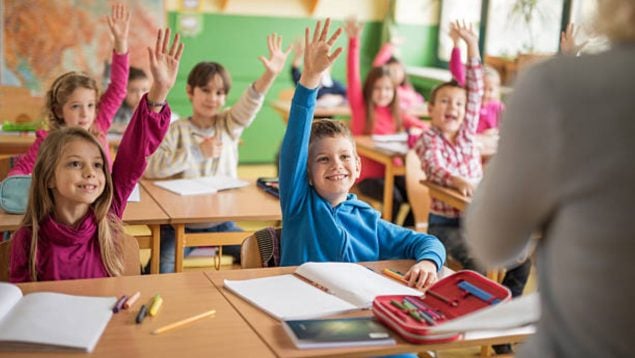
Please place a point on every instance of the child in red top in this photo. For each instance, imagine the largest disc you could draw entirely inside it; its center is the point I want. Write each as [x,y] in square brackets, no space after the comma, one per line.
[375,110]
[72,226]
[72,99]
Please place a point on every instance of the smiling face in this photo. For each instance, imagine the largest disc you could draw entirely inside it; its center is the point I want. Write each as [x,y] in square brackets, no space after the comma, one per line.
[79,176]
[333,167]
[79,110]
[383,91]
[208,100]
[448,110]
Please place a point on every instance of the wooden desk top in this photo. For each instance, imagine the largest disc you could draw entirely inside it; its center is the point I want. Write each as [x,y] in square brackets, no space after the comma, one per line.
[243,204]
[146,211]
[271,332]
[447,195]
[184,295]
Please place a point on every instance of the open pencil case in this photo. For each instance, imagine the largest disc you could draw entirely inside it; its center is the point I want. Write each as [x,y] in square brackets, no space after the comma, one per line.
[453,296]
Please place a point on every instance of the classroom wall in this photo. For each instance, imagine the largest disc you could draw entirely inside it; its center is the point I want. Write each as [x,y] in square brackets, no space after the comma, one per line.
[236,41]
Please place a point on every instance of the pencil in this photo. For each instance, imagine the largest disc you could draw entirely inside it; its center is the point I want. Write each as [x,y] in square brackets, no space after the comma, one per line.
[183,322]
[392,274]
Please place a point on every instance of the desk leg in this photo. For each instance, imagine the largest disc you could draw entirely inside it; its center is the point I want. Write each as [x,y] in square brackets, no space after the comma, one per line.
[179,247]
[389,184]
[155,248]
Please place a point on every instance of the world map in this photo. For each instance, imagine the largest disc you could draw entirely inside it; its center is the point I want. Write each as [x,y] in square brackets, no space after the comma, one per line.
[44,39]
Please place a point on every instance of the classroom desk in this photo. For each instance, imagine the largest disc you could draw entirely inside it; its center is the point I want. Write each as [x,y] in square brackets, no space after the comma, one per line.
[243,204]
[283,107]
[144,212]
[18,143]
[271,332]
[366,148]
[184,295]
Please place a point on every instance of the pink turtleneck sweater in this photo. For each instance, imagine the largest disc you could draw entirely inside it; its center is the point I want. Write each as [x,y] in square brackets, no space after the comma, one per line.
[66,252]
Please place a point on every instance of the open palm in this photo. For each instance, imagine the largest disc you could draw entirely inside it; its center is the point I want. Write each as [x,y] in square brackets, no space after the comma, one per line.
[277,57]
[119,22]
[164,63]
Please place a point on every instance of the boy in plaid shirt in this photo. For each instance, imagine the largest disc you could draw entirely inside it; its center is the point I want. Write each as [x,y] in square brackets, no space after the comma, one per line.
[450,157]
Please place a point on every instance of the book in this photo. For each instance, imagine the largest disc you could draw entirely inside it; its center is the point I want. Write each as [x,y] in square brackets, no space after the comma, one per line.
[317,290]
[337,332]
[51,321]
[199,186]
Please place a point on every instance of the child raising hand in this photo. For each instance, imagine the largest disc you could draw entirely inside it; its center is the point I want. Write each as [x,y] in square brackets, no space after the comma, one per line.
[206,143]
[73,99]
[72,226]
[322,221]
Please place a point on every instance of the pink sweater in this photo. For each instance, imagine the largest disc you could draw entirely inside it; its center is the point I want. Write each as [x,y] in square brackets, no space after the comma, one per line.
[66,252]
[408,97]
[491,111]
[384,123]
[109,103]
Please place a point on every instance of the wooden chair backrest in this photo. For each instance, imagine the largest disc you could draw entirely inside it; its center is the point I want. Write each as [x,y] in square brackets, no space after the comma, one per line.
[266,240]
[5,257]
[418,195]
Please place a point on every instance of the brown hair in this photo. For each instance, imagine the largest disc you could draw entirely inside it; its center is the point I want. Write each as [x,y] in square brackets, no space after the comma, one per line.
[321,128]
[616,19]
[61,89]
[42,204]
[136,73]
[453,83]
[204,72]
[373,75]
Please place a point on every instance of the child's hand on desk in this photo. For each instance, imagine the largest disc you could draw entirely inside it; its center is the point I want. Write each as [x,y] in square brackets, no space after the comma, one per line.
[119,23]
[316,53]
[463,185]
[422,274]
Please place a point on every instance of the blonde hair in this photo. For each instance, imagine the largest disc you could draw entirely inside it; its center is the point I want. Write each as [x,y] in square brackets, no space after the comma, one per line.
[42,204]
[616,19]
[61,89]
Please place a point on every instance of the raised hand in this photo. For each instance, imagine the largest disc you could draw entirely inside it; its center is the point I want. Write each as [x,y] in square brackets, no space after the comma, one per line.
[454,34]
[119,24]
[353,27]
[316,53]
[298,52]
[469,35]
[277,57]
[164,64]
[567,40]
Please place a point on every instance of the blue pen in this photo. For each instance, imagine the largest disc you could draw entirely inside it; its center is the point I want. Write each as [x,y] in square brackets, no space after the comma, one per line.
[478,292]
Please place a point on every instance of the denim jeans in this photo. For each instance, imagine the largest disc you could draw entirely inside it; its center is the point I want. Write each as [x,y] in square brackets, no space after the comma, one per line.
[168,243]
[448,230]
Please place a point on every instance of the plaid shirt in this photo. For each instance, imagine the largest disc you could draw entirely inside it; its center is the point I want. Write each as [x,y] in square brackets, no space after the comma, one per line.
[440,159]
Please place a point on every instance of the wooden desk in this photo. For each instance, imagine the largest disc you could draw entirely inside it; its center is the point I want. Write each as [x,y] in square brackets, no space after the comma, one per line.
[146,212]
[16,143]
[184,295]
[366,148]
[447,195]
[271,332]
[244,204]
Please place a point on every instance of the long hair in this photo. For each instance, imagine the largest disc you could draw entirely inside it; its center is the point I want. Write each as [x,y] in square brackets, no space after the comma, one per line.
[373,75]
[58,94]
[616,20]
[42,203]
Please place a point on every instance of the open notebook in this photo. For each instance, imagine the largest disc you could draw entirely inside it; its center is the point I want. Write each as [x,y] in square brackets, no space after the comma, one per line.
[342,287]
[198,186]
[51,321]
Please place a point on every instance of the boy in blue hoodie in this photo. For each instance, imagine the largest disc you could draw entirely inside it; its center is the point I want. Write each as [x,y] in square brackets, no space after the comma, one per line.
[318,166]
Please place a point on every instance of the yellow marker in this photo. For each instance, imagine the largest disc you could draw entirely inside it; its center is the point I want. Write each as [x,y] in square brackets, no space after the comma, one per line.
[156,304]
[183,322]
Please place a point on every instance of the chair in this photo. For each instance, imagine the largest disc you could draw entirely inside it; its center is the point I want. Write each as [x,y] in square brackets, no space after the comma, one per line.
[262,249]
[132,264]
[418,195]
[5,256]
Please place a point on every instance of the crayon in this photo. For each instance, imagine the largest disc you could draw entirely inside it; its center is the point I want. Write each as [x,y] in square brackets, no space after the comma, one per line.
[119,305]
[131,300]
[143,311]
[156,304]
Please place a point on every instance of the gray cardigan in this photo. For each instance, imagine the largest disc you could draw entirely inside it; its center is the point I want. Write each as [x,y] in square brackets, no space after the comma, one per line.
[566,166]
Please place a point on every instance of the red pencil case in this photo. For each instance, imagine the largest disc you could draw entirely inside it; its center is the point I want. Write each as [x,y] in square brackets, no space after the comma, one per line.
[453,296]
